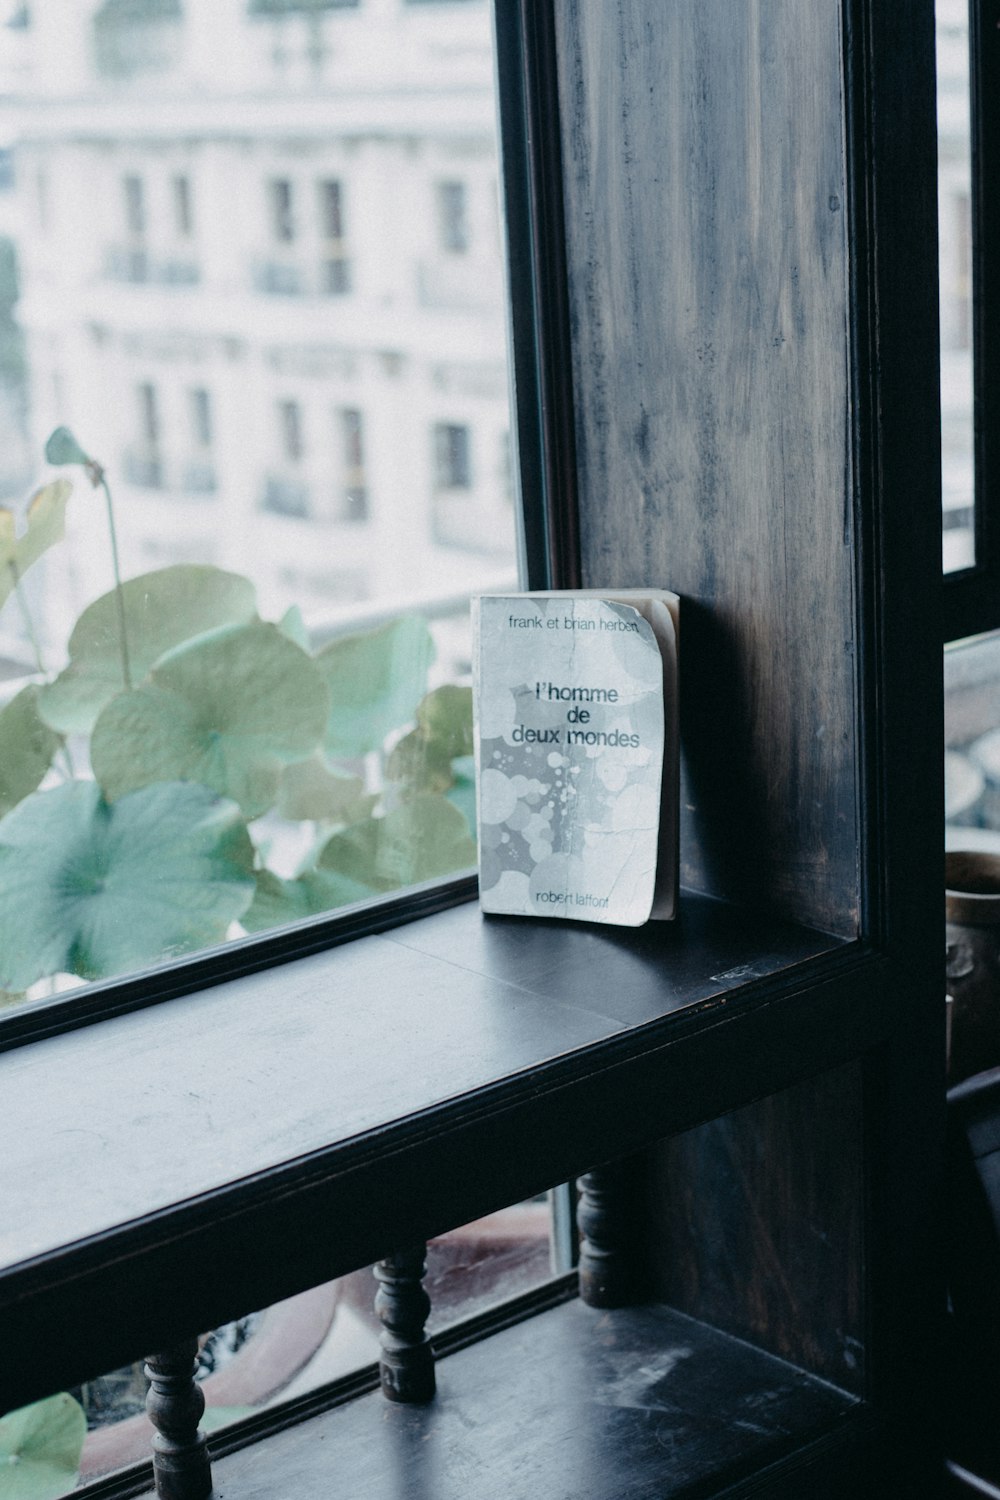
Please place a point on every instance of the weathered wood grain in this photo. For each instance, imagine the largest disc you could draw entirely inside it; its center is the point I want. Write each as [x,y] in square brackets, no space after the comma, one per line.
[640,1403]
[705,186]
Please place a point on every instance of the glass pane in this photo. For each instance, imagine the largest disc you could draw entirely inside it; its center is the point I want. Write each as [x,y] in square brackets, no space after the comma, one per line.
[250,277]
[290,1349]
[972,744]
[955,239]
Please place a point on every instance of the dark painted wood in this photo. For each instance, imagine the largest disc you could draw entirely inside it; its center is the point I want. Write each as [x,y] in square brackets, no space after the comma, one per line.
[175,1405]
[541,396]
[706,226]
[186,1267]
[129,1117]
[406,1363]
[759,1224]
[611,1235]
[641,1403]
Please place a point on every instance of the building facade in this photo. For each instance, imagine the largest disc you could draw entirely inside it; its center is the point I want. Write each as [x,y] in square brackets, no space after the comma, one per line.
[259,270]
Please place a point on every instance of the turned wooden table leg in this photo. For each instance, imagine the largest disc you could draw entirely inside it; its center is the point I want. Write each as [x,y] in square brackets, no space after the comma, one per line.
[605,1215]
[175,1404]
[406,1364]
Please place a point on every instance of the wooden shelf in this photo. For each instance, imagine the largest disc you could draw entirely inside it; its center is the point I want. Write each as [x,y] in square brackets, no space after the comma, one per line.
[568,1403]
[359,1088]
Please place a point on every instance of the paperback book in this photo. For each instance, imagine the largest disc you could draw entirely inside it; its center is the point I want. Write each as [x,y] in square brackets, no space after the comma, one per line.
[577,760]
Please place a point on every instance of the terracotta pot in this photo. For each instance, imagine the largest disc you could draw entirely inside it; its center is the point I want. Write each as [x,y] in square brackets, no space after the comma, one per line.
[972,914]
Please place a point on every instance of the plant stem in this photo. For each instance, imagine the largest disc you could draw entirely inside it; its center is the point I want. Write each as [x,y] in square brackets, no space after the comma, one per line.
[119,593]
[29,623]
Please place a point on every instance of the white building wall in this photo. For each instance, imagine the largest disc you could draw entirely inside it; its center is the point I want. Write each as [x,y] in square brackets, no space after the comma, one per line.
[354,99]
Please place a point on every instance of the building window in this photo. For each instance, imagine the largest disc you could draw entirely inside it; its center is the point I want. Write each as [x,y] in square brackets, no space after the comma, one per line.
[353,489]
[336,267]
[453,217]
[201,418]
[183,212]
[452,456]
[290,423]
[135,205]
[149,416]
[143,463]
[282,218]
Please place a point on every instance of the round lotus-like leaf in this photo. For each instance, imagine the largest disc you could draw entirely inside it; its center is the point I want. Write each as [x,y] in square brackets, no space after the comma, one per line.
[163,610]
[445,719]
[278,902]
[376,680]
[294,626]
[40,1447]
[309,789]
[27,746]
[63,448]
[419,765]
[96,889]
[45,524]
[228,710]
[419,840]
[462,792]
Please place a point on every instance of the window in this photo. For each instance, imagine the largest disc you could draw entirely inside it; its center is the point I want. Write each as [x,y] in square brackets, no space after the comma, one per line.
[453,224]
[290,422]
[336,266]
[183,213]
[452,456]
[354,491]
[282,219]
[135,205]
[201,418]
[969,310]
[149,416]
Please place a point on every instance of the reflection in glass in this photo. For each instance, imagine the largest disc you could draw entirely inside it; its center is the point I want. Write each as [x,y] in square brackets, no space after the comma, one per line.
[248,260]
[955,242]
[972,744]
[292,1348]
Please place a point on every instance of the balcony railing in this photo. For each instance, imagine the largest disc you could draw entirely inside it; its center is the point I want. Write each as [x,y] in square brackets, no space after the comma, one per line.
[327,277]
[136,265]
[285,496]
[144,469]
[199,478]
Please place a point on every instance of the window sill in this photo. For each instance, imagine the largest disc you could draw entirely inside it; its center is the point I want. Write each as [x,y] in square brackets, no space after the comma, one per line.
[213,1155]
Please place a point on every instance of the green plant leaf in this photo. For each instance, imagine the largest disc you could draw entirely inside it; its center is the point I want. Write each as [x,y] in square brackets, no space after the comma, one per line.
[95,889]
[40,1447]
[422,761]
[294,626]
[309,789]
[376,681]
[27,746]
[444,718]
[419,765]
[45,524]
[278,902]
[227,710]
[163,610]
[63,448]
[417,841]
[462,793]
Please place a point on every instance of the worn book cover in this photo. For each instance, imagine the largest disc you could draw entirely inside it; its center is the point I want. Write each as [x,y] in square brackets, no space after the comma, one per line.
[576,754]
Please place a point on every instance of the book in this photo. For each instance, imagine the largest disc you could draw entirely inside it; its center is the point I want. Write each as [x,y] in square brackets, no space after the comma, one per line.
[577,756]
